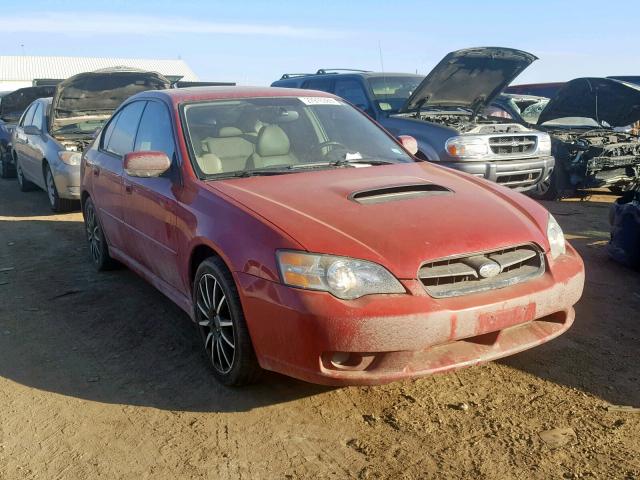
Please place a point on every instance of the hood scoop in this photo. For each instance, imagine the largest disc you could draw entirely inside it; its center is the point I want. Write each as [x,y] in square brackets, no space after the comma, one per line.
[398,192]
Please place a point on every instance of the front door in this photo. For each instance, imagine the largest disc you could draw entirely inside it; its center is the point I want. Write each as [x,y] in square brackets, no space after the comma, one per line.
[150,203]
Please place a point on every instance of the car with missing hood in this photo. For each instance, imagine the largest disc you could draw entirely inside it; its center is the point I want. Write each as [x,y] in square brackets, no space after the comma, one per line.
[12,105]
[52,133]
[589,122]
[318,246]
[444,112]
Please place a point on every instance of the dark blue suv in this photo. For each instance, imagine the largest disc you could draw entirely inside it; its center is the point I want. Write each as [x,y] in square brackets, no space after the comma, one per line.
[445,112]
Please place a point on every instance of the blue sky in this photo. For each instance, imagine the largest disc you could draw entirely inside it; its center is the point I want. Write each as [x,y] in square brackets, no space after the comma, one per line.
[253,42]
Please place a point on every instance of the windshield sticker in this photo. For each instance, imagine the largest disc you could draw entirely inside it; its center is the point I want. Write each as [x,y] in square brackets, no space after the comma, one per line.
[319,101]
[353,156]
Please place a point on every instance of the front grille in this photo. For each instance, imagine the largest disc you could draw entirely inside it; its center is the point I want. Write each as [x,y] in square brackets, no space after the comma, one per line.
[506,145]
[455,276]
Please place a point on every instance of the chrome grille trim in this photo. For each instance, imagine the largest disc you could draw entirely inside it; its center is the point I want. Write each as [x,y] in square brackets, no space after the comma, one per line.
[510,144]
[456,276]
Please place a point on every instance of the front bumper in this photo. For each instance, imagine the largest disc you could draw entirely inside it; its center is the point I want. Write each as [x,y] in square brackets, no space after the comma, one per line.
[67,179]
[382,338]
[520,175]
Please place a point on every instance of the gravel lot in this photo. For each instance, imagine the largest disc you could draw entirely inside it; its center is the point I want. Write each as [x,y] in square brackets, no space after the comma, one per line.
[102,377]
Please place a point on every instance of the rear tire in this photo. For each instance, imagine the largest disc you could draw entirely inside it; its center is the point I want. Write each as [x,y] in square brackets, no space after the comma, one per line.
[24,184]
[221,325]
[58,205]
[98,248]
[7,170]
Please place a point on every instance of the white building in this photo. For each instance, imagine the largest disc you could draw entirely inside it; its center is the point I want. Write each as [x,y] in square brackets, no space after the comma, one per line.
[20,71]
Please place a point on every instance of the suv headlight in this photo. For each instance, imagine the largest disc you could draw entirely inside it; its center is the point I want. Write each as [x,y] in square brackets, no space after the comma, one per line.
[544,144]
[70,158]
[343,277]
[467,147]
[556,238]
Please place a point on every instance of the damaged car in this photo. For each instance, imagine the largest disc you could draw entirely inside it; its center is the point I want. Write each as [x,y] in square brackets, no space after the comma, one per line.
[318,246]
[52,133]
[12,105]
[445,113]
[589,122]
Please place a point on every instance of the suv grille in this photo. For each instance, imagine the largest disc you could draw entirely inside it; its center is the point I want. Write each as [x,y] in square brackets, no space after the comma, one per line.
[452,277]
[506,145]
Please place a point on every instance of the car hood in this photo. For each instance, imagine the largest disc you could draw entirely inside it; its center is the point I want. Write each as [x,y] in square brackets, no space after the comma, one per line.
[97,94]
[469,78]
[602,99]
[13,104]
[327,211]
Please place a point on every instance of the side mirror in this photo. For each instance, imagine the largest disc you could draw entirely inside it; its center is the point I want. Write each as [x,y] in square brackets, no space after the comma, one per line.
[32,130]
[409,143]
[146,164]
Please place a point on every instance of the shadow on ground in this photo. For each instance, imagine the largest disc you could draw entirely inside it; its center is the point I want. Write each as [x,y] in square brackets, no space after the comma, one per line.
[599,354]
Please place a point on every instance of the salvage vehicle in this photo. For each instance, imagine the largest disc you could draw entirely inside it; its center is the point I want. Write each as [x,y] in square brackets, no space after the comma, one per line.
[589,122]
[318,246]
[53,132]
[12,105]
[444,113]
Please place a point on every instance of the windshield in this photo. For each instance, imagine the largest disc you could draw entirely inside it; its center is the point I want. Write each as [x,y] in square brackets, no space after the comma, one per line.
[283,135]
[391,93]
[88,127]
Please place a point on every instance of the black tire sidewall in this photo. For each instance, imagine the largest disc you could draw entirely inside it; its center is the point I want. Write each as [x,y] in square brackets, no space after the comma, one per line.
[105,260]
[245,368]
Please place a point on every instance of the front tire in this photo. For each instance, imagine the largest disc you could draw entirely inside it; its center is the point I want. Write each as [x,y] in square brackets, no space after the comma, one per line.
[58,205]
[552,188]
[221,325]
[98,249]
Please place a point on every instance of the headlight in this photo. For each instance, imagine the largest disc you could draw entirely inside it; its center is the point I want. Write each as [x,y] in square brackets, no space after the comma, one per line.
[343,277]
[70,158]
[556,238]
[544,144]
[467,147]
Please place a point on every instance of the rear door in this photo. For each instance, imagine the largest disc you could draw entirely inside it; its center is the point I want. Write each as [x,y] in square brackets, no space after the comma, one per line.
[150,203]
[107,171]
[32,150]
[20,138]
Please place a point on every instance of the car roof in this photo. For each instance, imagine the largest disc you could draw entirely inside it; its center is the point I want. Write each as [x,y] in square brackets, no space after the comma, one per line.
[297,76]
[194,94]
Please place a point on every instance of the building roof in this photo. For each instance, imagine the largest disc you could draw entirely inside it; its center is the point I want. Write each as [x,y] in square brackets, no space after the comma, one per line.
[29,67]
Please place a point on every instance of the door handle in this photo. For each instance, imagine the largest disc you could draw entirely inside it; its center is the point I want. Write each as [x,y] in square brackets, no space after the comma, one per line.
[128,189]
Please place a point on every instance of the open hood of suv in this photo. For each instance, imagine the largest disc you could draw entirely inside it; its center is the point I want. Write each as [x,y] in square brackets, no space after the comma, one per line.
[469,78]
[95,95]
[602,99]
[13,104]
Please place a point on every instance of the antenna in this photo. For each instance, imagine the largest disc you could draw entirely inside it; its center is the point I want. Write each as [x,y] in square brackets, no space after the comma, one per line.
[380,52]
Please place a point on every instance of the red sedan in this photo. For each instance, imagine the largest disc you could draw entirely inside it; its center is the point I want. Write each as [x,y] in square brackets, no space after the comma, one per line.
[302,238]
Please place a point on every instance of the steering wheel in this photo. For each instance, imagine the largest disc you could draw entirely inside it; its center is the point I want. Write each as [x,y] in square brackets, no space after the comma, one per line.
[330,146]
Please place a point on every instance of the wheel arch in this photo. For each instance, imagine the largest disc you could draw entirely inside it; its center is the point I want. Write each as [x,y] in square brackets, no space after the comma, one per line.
[199,253]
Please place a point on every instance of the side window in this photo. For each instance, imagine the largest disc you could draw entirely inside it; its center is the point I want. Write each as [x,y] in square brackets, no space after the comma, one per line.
[28,116]
[124,132]
[37,117]
[155,132]
[322,84]
[352,91]
[106,134]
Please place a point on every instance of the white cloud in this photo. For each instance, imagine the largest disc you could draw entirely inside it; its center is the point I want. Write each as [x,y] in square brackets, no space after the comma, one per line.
[109,24]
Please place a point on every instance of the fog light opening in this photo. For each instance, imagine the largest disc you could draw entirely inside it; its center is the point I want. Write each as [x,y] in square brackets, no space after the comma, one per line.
[350,360]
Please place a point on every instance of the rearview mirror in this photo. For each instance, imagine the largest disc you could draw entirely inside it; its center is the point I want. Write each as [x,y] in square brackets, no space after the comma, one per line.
[32,130]
[146,164]
[409,143]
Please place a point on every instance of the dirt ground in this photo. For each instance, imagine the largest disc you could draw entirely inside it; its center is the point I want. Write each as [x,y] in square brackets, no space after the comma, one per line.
[102,377]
